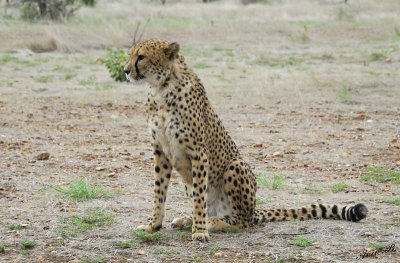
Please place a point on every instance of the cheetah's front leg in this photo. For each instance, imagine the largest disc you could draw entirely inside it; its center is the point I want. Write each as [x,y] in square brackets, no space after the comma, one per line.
[200,180]
[161,180]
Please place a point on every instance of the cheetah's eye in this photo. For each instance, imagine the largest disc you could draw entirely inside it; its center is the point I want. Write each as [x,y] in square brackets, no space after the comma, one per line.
[140,57]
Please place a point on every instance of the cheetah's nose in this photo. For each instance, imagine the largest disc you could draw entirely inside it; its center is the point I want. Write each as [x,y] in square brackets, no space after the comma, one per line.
[127,74]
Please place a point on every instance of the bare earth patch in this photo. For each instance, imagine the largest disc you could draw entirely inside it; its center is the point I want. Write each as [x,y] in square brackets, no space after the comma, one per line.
[309,90]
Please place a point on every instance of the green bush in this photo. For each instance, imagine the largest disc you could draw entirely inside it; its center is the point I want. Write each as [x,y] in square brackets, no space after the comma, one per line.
[29,12]
[114,62]
[89,2]
[51,9]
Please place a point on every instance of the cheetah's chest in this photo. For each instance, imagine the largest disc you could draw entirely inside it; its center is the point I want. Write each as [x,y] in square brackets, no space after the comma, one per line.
[163,129]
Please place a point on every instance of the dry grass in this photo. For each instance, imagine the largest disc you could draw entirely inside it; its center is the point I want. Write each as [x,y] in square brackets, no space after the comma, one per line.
[111,24]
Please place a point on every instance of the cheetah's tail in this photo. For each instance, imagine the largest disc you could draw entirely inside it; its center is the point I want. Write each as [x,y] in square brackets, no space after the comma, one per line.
[352,213]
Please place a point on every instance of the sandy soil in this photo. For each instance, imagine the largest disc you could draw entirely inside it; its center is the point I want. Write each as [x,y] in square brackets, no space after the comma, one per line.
[309,90]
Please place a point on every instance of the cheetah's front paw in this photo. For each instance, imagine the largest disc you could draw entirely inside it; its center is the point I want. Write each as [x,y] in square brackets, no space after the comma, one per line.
[148,228]
[201,236]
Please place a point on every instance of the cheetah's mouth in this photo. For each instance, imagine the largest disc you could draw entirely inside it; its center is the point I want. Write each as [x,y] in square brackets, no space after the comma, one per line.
[139,77]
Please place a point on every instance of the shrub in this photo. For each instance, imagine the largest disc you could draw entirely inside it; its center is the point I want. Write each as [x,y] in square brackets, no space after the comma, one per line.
[29,11]
[114,62]
[51,9]
[89,2]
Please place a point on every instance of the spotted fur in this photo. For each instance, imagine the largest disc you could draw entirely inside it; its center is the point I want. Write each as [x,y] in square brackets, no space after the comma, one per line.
[187,135]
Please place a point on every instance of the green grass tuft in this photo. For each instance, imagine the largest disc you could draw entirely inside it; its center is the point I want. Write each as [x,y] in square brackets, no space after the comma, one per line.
[78,224]
[313,189]
[43,79]
[7,58]
[163,251]
[93,260]
[182,234]
[301,241]
[24,252]
[2,248]
[394,201]
[339,187]
[202,65]
[259,201]
[344,94]
[69,76]
[27,243]
[15,226]
[214,249]
[147,237]
[278,62]
[231,229]
[91,80]
[275,183]
[381,175]
[377,56]
[127,244]
[377,246]
[82,190]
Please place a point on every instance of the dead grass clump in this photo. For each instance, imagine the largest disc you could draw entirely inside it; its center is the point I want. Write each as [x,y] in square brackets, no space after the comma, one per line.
[246,2]
[47,44]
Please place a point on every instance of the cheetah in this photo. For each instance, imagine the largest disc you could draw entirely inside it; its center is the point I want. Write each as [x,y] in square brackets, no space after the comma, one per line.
[188,136]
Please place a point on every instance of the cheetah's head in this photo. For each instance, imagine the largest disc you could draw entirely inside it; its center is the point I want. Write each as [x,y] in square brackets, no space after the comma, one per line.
[151,61]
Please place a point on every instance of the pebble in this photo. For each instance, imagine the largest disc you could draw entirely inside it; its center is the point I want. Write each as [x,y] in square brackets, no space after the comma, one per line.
[43,156]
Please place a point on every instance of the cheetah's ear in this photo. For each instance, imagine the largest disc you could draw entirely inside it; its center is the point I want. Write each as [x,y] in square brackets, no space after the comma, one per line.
[171,51]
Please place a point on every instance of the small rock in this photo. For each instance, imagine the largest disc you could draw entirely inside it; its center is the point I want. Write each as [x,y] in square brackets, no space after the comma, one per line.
[89,157]
[43,156]
[366,234]
[218,254]
[141,252]
[100,168]
[277,154]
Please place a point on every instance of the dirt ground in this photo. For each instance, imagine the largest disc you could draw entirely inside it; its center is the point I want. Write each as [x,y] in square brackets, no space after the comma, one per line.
[309,90]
